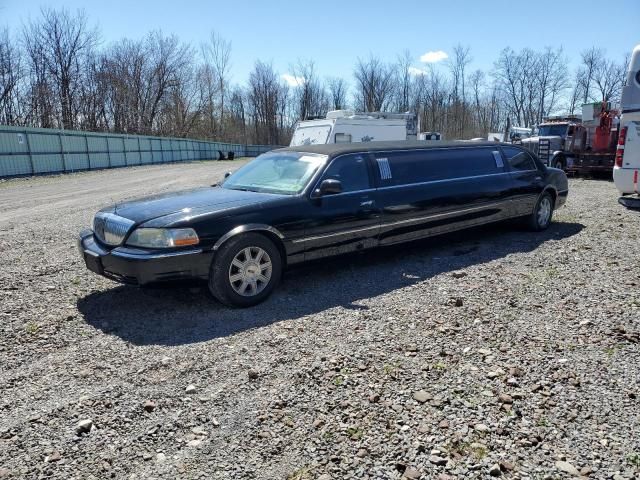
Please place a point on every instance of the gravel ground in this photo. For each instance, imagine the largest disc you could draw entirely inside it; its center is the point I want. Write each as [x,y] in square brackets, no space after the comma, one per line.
[495,352]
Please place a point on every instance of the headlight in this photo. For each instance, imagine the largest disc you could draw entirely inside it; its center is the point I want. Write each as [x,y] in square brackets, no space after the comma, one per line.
[163,237]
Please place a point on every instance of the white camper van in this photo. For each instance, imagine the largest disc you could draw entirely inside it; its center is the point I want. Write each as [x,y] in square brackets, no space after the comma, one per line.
[346,126]
[627,164]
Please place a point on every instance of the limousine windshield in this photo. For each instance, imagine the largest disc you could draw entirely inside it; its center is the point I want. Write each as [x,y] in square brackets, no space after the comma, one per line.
[284,173]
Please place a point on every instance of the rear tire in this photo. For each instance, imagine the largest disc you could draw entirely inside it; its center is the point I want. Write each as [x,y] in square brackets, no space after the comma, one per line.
[245,270]
[540,218]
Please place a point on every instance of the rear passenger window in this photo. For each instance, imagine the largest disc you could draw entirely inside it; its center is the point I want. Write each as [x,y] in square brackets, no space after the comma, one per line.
[415,166]
[352,172]
[518,159]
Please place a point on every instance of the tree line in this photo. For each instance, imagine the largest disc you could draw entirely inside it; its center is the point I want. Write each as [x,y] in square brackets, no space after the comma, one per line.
[55,73]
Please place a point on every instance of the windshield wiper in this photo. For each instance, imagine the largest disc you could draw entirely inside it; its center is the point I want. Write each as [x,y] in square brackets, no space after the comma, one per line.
[241,189]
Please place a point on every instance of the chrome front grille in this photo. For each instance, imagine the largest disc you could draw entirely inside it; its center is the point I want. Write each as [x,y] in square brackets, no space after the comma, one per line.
[110,228]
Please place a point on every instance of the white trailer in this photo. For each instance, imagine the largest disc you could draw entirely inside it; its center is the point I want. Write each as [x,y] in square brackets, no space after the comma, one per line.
[515,135]
[346,126]
[626,171]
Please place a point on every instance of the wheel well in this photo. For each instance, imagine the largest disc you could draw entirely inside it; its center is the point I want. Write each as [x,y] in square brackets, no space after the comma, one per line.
[553,194]
[277,241]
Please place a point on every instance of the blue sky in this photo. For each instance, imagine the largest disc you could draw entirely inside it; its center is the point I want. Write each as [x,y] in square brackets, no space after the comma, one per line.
[335,33]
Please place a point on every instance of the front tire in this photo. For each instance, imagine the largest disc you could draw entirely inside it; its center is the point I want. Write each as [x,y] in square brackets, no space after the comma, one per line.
[245,271]
[540,218]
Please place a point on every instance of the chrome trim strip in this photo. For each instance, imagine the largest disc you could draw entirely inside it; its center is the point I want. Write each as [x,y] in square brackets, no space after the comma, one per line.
[351,192]
[252,227]
[445,214]
[445,180]
[153,256]
[401,222]
[329,235]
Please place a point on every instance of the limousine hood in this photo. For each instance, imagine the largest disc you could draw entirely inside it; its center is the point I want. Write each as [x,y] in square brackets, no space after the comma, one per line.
[209,199]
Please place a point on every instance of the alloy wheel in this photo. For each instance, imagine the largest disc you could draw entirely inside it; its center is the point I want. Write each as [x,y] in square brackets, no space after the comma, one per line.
[544,211]
[250,271]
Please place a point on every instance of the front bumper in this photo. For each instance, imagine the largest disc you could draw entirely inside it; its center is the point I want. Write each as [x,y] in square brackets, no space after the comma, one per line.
[623,179]
[137,266]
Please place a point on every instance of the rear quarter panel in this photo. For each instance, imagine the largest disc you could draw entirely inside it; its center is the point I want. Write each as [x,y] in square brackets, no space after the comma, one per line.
[557,180]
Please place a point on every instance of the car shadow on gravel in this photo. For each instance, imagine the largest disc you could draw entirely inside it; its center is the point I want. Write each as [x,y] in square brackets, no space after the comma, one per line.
[181,315]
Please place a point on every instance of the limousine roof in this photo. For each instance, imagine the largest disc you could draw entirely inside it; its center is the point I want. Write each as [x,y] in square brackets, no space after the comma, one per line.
[333,149]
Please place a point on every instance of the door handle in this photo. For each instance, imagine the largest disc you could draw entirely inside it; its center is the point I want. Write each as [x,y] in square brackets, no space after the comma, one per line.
[368,203]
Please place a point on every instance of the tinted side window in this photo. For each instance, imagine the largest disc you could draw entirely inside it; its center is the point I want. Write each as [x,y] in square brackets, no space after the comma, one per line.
[439,164]
[518,159]
[352,172]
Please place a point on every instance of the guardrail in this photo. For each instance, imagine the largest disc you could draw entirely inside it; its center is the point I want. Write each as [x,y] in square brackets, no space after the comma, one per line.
[32,151]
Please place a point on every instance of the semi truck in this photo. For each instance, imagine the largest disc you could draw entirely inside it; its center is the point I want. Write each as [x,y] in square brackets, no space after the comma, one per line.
[578,144]
[627,159]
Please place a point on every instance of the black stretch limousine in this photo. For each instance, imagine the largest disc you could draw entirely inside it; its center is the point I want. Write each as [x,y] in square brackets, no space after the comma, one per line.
[308,202]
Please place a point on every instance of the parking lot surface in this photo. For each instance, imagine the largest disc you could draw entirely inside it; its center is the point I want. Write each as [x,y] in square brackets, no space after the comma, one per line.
[492,352]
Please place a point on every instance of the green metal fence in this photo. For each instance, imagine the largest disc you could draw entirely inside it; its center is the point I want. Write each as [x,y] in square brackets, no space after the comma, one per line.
[31,151]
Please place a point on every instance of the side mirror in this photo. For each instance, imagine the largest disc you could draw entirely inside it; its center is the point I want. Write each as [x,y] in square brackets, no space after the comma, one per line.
[226,174]
[330,186]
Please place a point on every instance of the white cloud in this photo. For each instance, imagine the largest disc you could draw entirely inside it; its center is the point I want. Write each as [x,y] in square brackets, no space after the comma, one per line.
[416,72]
[292,80]
[433,56]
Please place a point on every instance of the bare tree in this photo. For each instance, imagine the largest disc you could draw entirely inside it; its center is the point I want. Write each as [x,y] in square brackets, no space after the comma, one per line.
[599,78]
[481,114]
[238,122]
[517,75]
[208,88]
[434,102]
[125,71]
[183,105]
[608,78]
[457,65]
[577,92]
[91,112]
[10,78]
[591,59]
[217,55]
[338,92]
[403,82]
[57,45]
[142,75]
[374,84]
[310,94]
[551,76]
[508,72]
[267,99]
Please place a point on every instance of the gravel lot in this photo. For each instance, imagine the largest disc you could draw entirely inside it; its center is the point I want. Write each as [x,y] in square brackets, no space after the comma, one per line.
[493,352]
